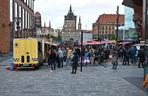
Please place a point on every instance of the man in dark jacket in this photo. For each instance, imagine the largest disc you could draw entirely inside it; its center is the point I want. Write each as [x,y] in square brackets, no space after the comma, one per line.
[141,56]
[74,62]
[52,59]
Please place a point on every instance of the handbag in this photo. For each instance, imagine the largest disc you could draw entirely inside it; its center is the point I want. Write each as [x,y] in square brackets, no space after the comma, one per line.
[110,56]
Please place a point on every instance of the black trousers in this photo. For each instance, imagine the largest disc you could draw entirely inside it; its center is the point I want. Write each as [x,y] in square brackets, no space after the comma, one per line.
[125,61]
[140,63]
[53,65]
[74,67]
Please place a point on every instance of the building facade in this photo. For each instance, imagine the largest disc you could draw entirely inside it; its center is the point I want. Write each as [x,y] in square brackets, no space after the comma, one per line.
[70,30]
[17,21]
[47,30]
[105,25]
[4,27]
[22,16]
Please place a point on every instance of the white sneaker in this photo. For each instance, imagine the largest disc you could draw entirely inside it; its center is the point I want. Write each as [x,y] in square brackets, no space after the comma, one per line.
[51,71]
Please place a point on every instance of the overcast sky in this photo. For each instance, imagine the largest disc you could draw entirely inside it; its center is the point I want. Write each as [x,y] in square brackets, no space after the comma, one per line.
[89,10]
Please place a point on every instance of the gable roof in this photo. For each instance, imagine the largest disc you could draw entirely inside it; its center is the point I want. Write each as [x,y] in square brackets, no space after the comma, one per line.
[110,19]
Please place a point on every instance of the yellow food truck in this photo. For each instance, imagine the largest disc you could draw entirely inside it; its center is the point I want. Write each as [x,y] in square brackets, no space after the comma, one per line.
[29,52]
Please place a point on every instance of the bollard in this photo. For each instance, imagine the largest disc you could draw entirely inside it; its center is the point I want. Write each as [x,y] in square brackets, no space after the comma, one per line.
[11,67]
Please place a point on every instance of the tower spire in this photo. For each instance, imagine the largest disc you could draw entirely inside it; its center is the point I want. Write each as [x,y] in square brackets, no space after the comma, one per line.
[44,24]
[70,10]
[79,19]
[49,24]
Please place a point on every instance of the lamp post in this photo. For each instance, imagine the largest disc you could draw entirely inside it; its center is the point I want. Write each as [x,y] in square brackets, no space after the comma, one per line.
[81,49]
[17,20]
[117,13]
[145,19]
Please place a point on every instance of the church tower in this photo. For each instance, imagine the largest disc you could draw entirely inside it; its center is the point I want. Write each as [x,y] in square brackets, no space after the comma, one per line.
[70,21]
[70,31]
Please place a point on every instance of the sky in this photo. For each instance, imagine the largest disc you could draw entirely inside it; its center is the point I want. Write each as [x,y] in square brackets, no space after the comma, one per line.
[89,10]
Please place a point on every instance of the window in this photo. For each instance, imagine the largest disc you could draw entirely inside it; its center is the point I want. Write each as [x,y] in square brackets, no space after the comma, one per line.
[20,15]
[28,19]
[113,28]
[113,32]
[26,14]
[23,19]
[25,1]
[109,28]
[11,10]
[16,10]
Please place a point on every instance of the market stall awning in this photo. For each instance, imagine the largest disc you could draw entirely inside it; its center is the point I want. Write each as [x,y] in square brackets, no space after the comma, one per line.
[91,43]
[124,43]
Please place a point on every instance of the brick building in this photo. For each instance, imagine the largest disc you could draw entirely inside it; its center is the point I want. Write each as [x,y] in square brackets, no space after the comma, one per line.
[105,25]
[4,26]
[17,21]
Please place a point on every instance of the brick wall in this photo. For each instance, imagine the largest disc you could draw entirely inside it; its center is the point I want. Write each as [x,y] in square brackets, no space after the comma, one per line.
[4,26]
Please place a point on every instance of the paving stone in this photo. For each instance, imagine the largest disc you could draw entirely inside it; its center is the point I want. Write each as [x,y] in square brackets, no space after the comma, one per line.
[93,81]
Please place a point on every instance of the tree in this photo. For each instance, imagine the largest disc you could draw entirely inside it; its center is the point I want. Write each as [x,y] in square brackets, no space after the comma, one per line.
[48,36]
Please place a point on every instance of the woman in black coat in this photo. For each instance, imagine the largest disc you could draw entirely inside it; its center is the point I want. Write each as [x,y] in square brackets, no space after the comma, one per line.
[75,62]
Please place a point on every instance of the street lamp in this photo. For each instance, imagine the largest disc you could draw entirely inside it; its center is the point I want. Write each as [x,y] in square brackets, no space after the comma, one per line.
[81,49]
[17,20]
[117,12]
[145,13]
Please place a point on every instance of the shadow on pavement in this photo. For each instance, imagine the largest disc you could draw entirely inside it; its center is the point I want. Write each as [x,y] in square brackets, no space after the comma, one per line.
[137,81]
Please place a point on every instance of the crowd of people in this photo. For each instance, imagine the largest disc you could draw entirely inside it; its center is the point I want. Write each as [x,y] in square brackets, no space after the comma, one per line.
[93,55]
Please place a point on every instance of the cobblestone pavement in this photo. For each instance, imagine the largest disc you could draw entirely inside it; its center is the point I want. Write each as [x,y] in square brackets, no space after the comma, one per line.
[5,58]
[93,81]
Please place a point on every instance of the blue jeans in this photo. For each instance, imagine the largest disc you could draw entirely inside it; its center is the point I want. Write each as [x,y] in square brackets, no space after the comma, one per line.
[61,61]
[68,61]
[115,64]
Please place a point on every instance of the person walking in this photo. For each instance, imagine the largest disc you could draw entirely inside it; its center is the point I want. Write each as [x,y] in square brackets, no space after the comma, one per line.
[141,56]
[52,59]
[69,56]
[74,62]
[115,60]
[60,55]
[133,55]
[126,56]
